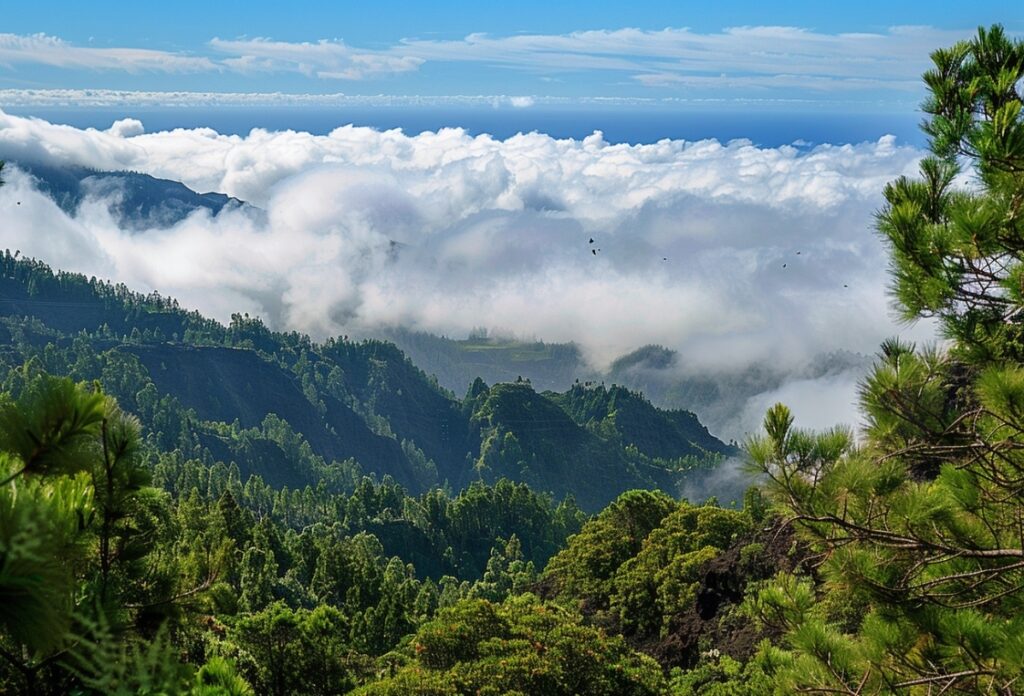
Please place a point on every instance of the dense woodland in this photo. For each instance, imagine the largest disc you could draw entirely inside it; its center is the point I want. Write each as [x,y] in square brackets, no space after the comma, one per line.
[188,507]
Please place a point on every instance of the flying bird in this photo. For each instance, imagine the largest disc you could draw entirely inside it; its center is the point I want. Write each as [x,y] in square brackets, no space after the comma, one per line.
[591,240]
[783,265]
[594,252]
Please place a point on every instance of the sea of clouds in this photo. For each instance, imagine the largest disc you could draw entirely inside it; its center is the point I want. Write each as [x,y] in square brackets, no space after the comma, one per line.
[731,253]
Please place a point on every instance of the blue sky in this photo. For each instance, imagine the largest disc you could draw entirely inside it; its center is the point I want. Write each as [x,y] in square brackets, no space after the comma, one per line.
[866,55]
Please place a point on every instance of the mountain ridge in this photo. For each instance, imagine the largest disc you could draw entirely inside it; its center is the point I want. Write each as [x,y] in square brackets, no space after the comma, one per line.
[338,403]
[137,201]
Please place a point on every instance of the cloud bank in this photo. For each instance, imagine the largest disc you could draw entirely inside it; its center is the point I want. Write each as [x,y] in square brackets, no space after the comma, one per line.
[115,98]
[816,403]
[50,98]
[728,252]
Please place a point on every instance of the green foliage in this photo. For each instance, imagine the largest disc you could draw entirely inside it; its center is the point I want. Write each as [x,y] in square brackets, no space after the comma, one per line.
[585,569]
[78,524]
[521,646]
[579,442]
[107,664]
[920,527]
[285,651]
[721,675]
[40,545]
[663,578]
[628,418]
[218,678]
[672,578]
[52,429]
[506,574]
[641,559]
[955,251]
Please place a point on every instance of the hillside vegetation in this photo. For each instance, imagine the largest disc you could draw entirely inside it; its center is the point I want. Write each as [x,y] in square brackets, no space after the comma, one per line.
[191,508]
[242,394]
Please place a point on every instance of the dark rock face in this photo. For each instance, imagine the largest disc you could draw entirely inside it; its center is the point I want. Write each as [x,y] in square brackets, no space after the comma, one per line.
[724,579]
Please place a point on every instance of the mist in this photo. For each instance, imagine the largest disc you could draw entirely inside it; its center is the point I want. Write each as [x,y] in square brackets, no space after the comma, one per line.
[730,253]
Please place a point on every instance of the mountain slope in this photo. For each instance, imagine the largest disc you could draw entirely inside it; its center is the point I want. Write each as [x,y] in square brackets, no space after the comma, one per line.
[527,437]
[635,421]
[229,384]
[203,388]
[543,440]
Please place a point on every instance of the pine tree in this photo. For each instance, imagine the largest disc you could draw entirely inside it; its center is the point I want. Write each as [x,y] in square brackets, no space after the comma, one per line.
[82,602]
[920,527]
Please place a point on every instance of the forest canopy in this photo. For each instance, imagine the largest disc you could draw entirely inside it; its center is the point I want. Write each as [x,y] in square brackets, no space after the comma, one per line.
[326,519]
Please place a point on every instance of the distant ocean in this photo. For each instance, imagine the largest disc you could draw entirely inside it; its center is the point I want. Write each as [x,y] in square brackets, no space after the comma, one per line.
[769,128]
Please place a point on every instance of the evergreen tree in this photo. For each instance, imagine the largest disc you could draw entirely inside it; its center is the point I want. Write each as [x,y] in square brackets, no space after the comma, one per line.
[921,527]
[83,593]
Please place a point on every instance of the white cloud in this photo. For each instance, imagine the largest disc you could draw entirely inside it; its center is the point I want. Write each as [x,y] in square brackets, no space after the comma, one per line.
[780,82]
[740,57]
[747,61]
[42,49]
[495,233]
[332,60]
[759,58]
[322,59]
[127,128]
[522,102]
